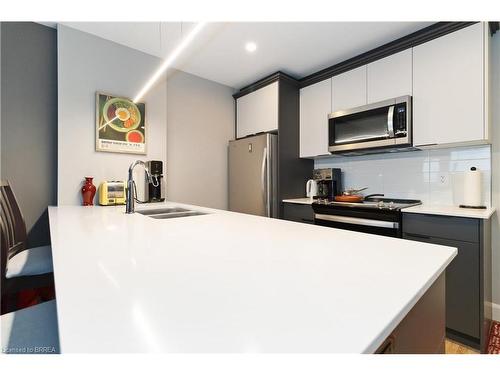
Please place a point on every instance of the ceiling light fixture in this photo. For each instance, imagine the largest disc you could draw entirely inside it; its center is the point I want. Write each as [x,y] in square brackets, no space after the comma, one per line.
[251,47]
[168,61]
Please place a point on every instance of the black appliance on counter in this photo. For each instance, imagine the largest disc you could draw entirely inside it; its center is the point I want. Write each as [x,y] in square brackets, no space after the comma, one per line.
[329,181]
[155,190]
[375,215]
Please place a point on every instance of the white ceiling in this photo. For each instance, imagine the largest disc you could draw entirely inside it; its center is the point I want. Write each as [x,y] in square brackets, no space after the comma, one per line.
[218,53]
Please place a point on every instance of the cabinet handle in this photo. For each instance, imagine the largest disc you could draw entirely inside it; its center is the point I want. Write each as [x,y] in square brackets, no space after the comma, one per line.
[427,144]
[423,236]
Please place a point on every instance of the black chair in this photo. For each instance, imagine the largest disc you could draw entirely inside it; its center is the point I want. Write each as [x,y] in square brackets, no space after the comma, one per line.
[21,268]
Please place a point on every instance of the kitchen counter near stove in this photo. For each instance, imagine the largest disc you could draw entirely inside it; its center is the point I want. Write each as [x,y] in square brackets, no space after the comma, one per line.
[472,213]
[231,282]
[444,210]
[299,200]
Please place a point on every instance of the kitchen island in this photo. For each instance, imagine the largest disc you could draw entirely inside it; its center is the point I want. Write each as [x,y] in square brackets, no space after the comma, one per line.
[230,282]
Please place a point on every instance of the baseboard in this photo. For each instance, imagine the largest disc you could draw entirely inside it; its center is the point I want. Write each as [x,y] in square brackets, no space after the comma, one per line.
[463,339]
[496,311]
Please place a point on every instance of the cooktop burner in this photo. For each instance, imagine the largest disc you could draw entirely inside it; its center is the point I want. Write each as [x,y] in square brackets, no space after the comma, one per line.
[376,203]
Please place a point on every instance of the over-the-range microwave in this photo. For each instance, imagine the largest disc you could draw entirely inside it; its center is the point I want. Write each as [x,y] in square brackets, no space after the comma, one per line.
[378,127]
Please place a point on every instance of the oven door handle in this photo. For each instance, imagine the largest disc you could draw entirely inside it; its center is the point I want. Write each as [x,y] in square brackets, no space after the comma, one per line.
[358,221]
[390,122]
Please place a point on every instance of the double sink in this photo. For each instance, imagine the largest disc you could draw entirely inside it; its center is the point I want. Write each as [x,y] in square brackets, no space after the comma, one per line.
[169,213]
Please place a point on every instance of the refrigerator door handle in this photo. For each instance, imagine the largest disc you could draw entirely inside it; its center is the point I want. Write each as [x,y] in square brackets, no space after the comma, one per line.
[269,179]
[263,180]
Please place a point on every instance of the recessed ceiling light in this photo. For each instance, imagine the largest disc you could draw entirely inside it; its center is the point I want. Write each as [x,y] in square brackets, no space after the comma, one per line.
[251,47]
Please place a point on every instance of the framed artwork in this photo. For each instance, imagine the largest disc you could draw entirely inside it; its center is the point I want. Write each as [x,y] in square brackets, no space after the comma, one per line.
[120,125]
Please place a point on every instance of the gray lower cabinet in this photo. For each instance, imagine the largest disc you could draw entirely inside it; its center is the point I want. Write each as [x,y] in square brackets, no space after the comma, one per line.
[422,331]
[468,277]
[302,213]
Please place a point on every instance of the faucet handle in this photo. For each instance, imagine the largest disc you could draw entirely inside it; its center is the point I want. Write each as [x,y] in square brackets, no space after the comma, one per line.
[148,175]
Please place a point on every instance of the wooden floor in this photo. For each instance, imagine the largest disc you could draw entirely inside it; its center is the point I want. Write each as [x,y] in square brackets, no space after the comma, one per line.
[452,347]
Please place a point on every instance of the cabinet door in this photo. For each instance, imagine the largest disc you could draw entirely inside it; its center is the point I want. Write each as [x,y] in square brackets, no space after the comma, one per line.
[349,89]
[302,213]
[462,285]
[315,105]
[448,88]
[390,77]
[258,111]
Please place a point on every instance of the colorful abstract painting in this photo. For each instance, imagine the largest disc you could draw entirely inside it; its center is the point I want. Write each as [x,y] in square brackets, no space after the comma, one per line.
[120,125]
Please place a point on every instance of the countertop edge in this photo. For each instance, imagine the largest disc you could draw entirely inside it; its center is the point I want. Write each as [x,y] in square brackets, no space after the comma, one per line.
[484,214]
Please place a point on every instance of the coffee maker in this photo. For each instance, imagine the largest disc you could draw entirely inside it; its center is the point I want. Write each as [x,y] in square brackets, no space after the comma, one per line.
[329,181]
[155,190]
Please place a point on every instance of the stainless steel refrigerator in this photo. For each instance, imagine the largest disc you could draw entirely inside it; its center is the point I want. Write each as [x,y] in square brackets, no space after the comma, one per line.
[253,177]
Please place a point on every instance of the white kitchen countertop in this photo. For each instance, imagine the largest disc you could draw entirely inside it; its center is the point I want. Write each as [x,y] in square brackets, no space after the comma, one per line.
[451,211]
[229,282]
[426,209]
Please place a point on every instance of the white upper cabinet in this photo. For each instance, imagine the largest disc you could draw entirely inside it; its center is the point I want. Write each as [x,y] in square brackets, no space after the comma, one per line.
[349,89]
[315,105]
[258,111]
[448,89]
[390,77]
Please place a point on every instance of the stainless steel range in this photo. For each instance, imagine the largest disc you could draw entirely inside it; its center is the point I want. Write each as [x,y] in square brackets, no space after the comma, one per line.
[376,215]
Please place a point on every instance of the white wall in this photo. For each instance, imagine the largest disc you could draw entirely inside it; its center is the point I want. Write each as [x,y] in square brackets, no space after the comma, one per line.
[495,104]
[433,176]
[87,64]
[200,117]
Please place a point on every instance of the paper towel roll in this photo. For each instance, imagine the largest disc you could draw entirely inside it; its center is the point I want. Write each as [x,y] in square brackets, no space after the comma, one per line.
[472,188]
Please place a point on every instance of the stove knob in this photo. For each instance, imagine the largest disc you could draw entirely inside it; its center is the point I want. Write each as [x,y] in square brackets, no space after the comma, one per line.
[380,204]
[391,205]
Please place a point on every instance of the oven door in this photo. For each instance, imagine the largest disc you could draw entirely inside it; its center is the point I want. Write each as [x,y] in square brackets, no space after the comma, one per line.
[382,124]
[387,227]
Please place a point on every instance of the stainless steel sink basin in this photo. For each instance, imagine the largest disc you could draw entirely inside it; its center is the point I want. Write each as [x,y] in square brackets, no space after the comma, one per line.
[157,211]
[169,213]
[177,214]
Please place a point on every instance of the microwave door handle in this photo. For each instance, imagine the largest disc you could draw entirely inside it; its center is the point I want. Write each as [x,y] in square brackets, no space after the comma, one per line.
[390,123]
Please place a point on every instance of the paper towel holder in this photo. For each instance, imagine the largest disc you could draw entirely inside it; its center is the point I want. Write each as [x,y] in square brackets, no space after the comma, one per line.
[475,207]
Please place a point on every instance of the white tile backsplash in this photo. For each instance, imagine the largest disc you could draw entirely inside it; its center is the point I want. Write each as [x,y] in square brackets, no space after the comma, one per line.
[433,176]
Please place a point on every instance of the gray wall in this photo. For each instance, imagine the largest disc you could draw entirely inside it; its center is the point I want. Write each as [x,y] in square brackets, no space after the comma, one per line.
[200,115]
[87,64]
[29,121]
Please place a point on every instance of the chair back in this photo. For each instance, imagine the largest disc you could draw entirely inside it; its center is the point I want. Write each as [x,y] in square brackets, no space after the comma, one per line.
[12,225]
[3,243]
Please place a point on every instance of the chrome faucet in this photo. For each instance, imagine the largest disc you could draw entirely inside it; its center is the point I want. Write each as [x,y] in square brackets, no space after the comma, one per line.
[130,203]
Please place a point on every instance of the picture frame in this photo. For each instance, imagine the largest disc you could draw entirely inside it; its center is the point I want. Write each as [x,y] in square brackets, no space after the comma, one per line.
[121,125]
